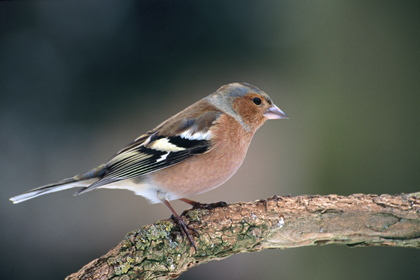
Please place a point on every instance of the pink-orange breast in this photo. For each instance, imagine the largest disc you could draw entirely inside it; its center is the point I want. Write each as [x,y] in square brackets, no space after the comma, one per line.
[204,172]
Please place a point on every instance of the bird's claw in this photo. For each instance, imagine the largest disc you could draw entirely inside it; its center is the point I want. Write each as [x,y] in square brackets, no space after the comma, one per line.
[185,231]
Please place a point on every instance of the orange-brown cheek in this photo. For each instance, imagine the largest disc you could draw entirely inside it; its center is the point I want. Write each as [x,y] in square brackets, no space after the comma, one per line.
[249,112]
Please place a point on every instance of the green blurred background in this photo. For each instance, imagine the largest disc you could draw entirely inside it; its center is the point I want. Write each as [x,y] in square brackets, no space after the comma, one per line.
[80,79]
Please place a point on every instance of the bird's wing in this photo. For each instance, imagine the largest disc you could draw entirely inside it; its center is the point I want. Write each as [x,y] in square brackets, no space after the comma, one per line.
[154,151]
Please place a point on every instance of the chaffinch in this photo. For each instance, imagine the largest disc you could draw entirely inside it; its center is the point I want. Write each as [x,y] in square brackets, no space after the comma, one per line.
[192,152]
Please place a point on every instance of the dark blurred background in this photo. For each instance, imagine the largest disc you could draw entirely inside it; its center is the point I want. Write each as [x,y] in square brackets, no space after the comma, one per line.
[80,79]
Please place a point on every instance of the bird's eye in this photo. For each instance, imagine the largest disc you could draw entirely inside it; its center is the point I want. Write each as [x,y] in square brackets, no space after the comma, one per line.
[256,100]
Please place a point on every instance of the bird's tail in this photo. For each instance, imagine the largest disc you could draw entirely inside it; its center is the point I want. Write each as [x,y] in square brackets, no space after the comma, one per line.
[82,180]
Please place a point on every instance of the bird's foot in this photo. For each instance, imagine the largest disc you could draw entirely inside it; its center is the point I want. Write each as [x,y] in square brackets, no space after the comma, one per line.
[183,227]
[207,206]
[186,231]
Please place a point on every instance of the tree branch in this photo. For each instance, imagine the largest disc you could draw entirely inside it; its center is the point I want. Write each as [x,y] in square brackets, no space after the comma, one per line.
[158,251]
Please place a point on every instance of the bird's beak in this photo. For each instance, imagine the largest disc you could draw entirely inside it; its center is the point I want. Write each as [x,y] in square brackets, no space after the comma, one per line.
[273,112]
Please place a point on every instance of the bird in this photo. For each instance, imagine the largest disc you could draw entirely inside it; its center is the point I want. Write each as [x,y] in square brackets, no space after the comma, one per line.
[192,152]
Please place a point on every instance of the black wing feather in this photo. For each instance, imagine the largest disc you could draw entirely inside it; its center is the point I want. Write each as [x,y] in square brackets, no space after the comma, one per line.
[141,157]
[141,160]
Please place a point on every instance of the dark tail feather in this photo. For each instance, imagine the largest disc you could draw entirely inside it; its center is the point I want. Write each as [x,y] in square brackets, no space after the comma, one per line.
[82,180]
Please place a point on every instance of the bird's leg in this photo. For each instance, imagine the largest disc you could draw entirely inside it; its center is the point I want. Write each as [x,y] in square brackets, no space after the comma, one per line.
[208,206]
[184,228]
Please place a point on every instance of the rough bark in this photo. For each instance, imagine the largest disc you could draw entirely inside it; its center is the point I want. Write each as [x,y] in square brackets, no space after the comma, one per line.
[158,251]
